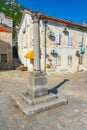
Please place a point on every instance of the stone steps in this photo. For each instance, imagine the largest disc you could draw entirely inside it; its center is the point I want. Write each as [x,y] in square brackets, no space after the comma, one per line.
[40,106]
[38,100]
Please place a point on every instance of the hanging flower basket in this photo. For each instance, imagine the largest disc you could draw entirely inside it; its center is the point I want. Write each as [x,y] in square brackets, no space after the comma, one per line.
[47,65]
[77,53]
[25,68]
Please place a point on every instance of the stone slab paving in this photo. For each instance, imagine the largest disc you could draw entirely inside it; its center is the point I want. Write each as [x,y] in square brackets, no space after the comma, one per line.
[72,116]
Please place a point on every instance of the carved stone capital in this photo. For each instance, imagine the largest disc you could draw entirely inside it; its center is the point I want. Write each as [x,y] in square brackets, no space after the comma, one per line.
[36,17]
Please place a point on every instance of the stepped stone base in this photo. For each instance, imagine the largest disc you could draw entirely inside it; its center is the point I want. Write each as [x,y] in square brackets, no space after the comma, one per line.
[34,105]
[37,85]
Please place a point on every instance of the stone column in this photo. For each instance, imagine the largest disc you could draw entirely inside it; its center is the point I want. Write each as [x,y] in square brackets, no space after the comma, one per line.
[36,32]
[37,85]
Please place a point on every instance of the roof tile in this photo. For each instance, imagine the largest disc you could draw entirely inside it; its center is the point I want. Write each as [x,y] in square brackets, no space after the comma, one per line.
[4,29]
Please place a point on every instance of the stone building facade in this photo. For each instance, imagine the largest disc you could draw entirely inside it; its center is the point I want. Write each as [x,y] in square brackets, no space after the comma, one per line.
[5,42]
[6,20]
[63,44]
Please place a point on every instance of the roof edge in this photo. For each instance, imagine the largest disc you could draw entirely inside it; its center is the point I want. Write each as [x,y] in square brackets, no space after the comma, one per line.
[63,21]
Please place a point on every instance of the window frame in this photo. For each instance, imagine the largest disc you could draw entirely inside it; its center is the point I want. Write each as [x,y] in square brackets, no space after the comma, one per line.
[70,41]
[58,40]
[3,61]
[70,58]
[57,60]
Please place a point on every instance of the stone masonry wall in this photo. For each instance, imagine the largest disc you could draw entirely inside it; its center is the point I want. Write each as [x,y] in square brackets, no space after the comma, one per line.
[64,49]
[6,47]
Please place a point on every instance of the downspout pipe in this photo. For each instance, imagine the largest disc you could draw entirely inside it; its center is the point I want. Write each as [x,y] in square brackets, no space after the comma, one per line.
[45,23]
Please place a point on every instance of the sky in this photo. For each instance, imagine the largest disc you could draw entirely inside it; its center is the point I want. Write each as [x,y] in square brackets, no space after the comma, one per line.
[72,10]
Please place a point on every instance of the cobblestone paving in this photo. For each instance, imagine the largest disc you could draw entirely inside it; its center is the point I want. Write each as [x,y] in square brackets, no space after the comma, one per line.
[72,116]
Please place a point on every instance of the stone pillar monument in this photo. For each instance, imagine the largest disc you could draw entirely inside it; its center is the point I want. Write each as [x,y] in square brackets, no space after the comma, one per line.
[37,81]
[37,99]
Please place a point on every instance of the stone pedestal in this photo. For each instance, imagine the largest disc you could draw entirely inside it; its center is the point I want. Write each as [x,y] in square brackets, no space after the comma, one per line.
[37,85]
[31,106]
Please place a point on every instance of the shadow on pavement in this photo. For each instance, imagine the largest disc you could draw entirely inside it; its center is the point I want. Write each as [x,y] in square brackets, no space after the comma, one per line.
[55,89]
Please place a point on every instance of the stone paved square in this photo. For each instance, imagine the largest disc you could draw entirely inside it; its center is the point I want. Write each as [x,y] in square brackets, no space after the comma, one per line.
[72,116]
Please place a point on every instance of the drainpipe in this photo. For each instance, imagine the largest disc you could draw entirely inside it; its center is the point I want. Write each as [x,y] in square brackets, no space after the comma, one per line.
[45,22]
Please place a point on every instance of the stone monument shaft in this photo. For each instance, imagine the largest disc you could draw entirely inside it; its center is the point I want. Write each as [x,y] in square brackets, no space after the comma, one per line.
[36,32]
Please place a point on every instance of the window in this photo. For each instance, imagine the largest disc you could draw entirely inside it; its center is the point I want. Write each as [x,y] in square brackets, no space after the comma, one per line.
[69,60]
[57,60]
[80,41]
[70,40]
[3,58]
[58,38]
[80,60]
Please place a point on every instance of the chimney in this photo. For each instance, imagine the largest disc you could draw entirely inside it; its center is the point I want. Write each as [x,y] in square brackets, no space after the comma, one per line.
[84,23]
[30,10]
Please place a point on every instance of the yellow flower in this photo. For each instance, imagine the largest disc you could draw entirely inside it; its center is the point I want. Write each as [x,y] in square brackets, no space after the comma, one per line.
[47,65]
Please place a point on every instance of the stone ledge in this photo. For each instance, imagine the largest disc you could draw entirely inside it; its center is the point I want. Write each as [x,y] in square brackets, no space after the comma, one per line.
[32,109]
[38,100]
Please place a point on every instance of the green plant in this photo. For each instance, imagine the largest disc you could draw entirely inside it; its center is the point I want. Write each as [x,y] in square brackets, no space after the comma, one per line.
[25,68]
[14,11]
[77,53]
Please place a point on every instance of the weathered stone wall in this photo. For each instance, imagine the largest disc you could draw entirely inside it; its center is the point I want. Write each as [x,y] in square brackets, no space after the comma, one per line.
[25,40]
[6,46]
[64,49]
